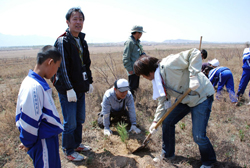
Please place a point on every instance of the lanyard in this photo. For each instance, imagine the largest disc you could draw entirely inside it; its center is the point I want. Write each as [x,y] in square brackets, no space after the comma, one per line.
[80,52]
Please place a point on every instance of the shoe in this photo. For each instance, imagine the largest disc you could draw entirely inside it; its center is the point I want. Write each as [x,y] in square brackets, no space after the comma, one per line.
[160,158]
[82,147]
[203,166]
[76,157]
[237,104]
[248,104]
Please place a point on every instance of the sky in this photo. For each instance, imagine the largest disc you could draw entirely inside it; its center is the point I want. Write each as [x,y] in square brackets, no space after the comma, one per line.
[112,20]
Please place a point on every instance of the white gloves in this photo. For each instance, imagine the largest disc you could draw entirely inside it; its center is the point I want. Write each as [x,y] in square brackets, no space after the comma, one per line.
[134,129]
[71,95]
[193,83]
[91,88]
[107,131]
[152,129]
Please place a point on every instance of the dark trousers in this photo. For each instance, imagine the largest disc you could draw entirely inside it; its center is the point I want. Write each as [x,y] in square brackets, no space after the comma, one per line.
[133,83]
[115,116]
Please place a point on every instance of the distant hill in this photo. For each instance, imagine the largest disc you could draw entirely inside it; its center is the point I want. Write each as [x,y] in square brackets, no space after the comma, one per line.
[182,41]
[29,40]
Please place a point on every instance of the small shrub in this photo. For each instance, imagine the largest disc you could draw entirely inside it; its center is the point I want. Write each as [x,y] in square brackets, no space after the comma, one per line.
[241,134]
[122,131]
[182,125]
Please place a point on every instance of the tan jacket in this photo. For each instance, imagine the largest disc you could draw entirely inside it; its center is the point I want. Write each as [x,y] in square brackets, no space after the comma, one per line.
[175,70]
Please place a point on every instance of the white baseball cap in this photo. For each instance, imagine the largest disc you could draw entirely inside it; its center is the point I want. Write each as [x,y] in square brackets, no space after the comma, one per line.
[214,62]
[122,85]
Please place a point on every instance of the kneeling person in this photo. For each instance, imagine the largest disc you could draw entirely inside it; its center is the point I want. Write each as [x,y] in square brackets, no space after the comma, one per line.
[118,102]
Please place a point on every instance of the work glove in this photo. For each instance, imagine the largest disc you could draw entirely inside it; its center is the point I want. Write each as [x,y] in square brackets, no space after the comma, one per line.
[152,129]
[91,88]
[107,131]
[134,129]
[71,95]
[193,83]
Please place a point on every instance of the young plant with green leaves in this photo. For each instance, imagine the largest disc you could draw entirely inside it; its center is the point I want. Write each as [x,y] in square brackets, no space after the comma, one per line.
[122,131]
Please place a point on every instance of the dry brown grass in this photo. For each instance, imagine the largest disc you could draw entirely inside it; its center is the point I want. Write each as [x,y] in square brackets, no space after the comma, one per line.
[228,128]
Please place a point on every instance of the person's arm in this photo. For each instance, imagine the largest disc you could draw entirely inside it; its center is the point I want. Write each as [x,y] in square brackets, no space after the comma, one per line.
[29,115]
[161,109]
[127,56]
[106,107]
[64,66]
[131,109]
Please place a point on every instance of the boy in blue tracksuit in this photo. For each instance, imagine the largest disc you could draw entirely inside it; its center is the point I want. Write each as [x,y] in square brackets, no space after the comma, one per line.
[36,116]
[223,76]
[245,73]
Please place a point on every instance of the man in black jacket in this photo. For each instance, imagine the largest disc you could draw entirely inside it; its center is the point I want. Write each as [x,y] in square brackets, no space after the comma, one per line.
[72,80]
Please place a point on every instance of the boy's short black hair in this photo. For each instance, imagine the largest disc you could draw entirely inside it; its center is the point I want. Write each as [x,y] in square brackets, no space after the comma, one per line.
[204,53]
[71,10]
[46,52]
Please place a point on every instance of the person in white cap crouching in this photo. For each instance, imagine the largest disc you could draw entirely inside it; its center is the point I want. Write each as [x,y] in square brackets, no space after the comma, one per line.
[117,103]
[221,76]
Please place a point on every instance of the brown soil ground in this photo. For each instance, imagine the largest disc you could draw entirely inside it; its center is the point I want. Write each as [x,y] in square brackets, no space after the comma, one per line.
[228,127]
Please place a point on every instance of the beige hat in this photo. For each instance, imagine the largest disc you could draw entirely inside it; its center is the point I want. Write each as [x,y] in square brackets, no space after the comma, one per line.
[137,28]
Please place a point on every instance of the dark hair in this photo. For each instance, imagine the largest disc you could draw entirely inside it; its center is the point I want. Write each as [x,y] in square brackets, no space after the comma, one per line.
[71,10]
[145,64]
[115,84]
[247,44]
[46,52]
[207,69]
[204,53]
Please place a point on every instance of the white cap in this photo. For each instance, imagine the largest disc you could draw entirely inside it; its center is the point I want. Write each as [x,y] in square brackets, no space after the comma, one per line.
[122,85]
[214,62]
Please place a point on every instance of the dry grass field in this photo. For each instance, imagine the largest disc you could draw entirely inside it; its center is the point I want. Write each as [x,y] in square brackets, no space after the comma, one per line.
[228,127]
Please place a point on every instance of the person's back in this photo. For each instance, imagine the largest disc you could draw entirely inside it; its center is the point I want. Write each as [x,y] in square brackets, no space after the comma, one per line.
[246,58]
[223,77]
[36,115]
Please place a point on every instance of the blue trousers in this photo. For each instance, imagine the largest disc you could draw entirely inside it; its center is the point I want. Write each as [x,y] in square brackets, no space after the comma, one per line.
[45,153]
[243,82]
[73,118]
[200,115]
[228,80]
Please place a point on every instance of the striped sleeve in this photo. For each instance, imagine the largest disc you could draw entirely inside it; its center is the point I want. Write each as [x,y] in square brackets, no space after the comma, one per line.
[29,114]
[63,64]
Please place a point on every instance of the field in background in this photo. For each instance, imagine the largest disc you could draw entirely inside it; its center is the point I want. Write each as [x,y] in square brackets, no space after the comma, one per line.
[228,127]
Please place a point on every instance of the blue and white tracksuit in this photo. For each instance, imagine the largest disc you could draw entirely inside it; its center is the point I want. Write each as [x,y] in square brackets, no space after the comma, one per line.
[223,76]
[38,121]
[246,72]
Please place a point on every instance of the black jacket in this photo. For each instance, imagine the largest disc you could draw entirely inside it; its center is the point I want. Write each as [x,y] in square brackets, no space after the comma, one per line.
[69,74]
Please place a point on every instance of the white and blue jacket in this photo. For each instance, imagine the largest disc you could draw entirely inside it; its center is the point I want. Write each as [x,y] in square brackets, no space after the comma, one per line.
[36,113]
[215,75]
[246,58]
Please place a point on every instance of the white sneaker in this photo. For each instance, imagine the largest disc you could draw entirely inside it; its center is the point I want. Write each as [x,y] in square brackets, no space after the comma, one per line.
[203,166]
[160,158]
[82,147]
[75,157]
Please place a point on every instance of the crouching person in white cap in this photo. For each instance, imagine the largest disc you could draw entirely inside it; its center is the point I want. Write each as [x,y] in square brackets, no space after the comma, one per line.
[118,103]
